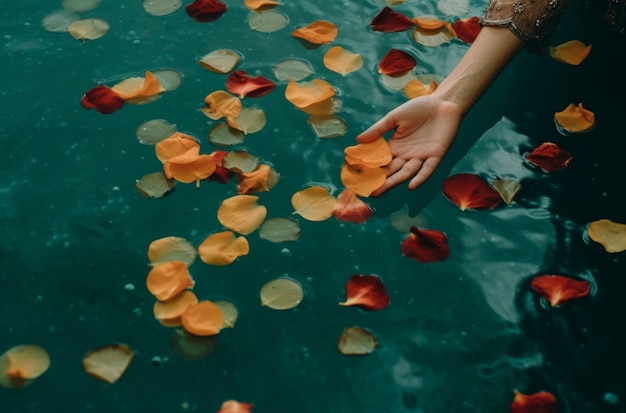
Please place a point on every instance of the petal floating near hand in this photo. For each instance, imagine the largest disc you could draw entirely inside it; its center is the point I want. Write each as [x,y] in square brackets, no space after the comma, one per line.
[233,406]
[223,248]
[469,191]
[558,289]
[549,157]
[342,61]
[414,88]
[574,119]
[205,11]
[396,63]
[22,364]
[203,319]
[467,29]
[102,99]
[241,84]
[426,245]
[367,292]
[388,20]
[371,154]
[611,235]
[362,180]
[351,208]
[314,203]
[241,214]
[573,52]
[168,279]
[541,402]
[317,32]
[427,23]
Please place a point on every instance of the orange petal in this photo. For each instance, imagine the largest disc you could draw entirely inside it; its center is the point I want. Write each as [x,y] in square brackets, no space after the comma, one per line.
[260,4]
[108,363]
[314,203]
[188,169]
[241,213]
[541,402]
[469,191]
[138,88]
[222,248]
[22,364]
[262,179]
[575,119]
[173,308]
[558,289]
[611,235]
[573,52]
[356,341]
[305,94]
[169,279]
[367,292]
[171,249]
[221,104]
[361,179]
[203,319]
[174,145]
[317,32]
[342,61]
[350,208]
[372,154]
[414,88]
[428,23]
[233,406]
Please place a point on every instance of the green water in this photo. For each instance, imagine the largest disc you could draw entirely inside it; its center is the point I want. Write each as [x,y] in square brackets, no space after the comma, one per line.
[459,335]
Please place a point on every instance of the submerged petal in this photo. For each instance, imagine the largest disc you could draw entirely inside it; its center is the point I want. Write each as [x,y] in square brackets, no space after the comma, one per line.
[426,245]
[351,208]
[541,402]
[549,157]
[103,99]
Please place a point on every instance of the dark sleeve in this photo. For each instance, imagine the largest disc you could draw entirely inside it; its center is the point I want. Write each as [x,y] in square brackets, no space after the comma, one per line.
[533,21]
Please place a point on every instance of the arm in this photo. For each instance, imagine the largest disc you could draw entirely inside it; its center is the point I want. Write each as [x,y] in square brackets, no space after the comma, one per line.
[425,127]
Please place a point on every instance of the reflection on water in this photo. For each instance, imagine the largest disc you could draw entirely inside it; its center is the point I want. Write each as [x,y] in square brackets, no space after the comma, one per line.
[459,335]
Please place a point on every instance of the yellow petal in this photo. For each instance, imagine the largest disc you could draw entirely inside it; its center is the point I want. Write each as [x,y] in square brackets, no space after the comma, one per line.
[314,203]
[342,61]
[575,119]
[305,94]
[222,248]
[241,213]
[573,52]
[611,235]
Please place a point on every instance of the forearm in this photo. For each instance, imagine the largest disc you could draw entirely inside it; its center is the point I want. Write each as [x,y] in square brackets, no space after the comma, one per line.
[484,60]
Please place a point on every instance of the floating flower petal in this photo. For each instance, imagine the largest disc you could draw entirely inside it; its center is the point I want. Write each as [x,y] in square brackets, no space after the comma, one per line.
[203,319]
[350,208]
[295,69]
[22,364]
[88,29]
[205,11]
[220,60]
[396,63]
[155,185]
[257,5]
[367,292]
[469,191]
[233,406]
[388,20]
[317,32]
[102,99]
[229,311]
[466,30]
[611,235]
[306,94]
[241,214]
[262,179]
[138,90]
[573,52]
[168,279]
[80,6]
[414,88]
[549,157]
[426,245]
[372,154]
[59,21]
[221,174]
[169,312]
[248,120]
[507,188]
[240,162]
[223,248]
[175,145]
[342,61]
[171,249]
[108,363]
[170,79]
[154,131]
[189,167]
[541,402]
[574,119]
[433,38]
[161,7]
[356,341]
[558,289]
[361,179]
[269,21]
[282,293]
[223,135]
[239,83]
[280,229]
[221,104]
[314,203]
[327,126]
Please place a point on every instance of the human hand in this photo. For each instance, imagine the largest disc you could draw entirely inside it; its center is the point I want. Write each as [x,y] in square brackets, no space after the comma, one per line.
[424,129]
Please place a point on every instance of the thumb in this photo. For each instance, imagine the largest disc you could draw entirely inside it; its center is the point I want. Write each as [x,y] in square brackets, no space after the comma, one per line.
[376,130]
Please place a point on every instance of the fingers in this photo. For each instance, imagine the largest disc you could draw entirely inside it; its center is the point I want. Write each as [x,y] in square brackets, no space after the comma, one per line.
[399,171]
[422,175]
[376,130]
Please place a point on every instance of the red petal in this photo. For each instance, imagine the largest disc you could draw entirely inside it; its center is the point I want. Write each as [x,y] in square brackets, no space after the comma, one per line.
[102,99]
[366,292]
[351,208]
[239,83]
[542,402]
[469,191]
[558,289]
[467,29]
[233,406]
[388,20]
[426,245]
[205,11]
[221,174]
[396,62]
[549,157]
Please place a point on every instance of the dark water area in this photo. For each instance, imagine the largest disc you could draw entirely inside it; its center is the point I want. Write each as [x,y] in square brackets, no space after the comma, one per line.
[459,336]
